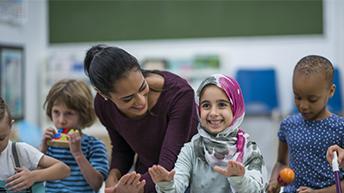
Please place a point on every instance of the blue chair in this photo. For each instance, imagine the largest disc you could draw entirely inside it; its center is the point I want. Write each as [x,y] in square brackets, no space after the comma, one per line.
[335,104]
[259,88]
[29,133]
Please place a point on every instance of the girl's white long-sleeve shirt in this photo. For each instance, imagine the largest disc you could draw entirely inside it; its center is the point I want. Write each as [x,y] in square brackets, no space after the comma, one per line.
[193,172]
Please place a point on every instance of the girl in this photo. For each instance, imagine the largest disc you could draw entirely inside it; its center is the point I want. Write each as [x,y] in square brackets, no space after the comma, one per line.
[221,158]
[305,137]
[34,166]
[69,105]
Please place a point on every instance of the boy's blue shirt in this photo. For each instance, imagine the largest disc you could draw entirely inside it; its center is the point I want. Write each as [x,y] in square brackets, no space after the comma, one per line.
[94,151]
[308,142]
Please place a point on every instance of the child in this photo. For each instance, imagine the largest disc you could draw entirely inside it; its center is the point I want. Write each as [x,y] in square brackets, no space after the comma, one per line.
[221,158]
[18,179]
[305,137]
[69,105]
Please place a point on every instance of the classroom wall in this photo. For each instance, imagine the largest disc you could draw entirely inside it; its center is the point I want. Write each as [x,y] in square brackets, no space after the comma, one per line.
[32,35]
[280,52]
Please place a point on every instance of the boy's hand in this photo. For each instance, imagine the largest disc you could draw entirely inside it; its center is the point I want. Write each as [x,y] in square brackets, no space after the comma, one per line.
[340,152]
[48,135]
[233,168]
[273,187]
[160,174]
[20,181]
[75,144]
[130,183]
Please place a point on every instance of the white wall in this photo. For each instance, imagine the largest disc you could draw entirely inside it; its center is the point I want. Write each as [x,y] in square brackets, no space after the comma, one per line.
[32,35]
[280,52]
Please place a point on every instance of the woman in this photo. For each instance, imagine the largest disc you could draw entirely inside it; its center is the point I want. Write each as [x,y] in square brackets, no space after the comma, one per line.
[148,113]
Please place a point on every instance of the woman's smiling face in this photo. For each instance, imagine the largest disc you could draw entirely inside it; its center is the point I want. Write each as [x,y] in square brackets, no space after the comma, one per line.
[131,94]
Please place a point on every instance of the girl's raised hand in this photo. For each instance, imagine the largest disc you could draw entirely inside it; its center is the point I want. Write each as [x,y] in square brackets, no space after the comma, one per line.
[233,168]
[160,174]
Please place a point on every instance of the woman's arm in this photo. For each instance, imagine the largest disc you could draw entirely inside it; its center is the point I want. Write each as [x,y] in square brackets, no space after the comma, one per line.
[122,156]
[181,127]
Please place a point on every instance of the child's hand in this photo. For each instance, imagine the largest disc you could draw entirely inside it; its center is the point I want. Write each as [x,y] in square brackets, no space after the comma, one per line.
[233,168]
[340,152]
[130,183]
[75,144]
[20,181]
[48,135]
[273,187]
[304,189]
[160,174]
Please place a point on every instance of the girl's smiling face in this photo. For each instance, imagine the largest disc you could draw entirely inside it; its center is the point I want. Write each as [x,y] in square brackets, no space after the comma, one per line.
[215,109]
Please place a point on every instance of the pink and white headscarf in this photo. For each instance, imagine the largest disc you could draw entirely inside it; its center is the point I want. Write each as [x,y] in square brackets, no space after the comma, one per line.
[229,144]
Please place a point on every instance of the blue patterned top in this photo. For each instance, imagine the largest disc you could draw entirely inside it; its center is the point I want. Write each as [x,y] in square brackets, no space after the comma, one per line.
[94,151]
[308,142]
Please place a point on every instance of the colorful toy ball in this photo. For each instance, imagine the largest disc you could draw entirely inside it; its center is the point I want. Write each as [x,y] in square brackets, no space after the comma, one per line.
[286,176]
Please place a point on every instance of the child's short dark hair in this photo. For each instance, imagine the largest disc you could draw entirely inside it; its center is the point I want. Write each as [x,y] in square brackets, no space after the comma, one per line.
[315,64]
[76,95]
[4,109]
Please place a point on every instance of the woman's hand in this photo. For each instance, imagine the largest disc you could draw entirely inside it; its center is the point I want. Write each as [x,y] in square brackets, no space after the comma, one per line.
[233,168]
[160,174]
[47,136]
[20,181]
[129,183]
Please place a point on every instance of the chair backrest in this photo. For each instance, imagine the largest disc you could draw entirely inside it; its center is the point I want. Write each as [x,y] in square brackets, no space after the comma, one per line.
[335,104]
[29,133]
[259,87]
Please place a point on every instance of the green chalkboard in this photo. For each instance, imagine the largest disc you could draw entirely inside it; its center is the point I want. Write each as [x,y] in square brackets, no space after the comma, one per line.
[111,20]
